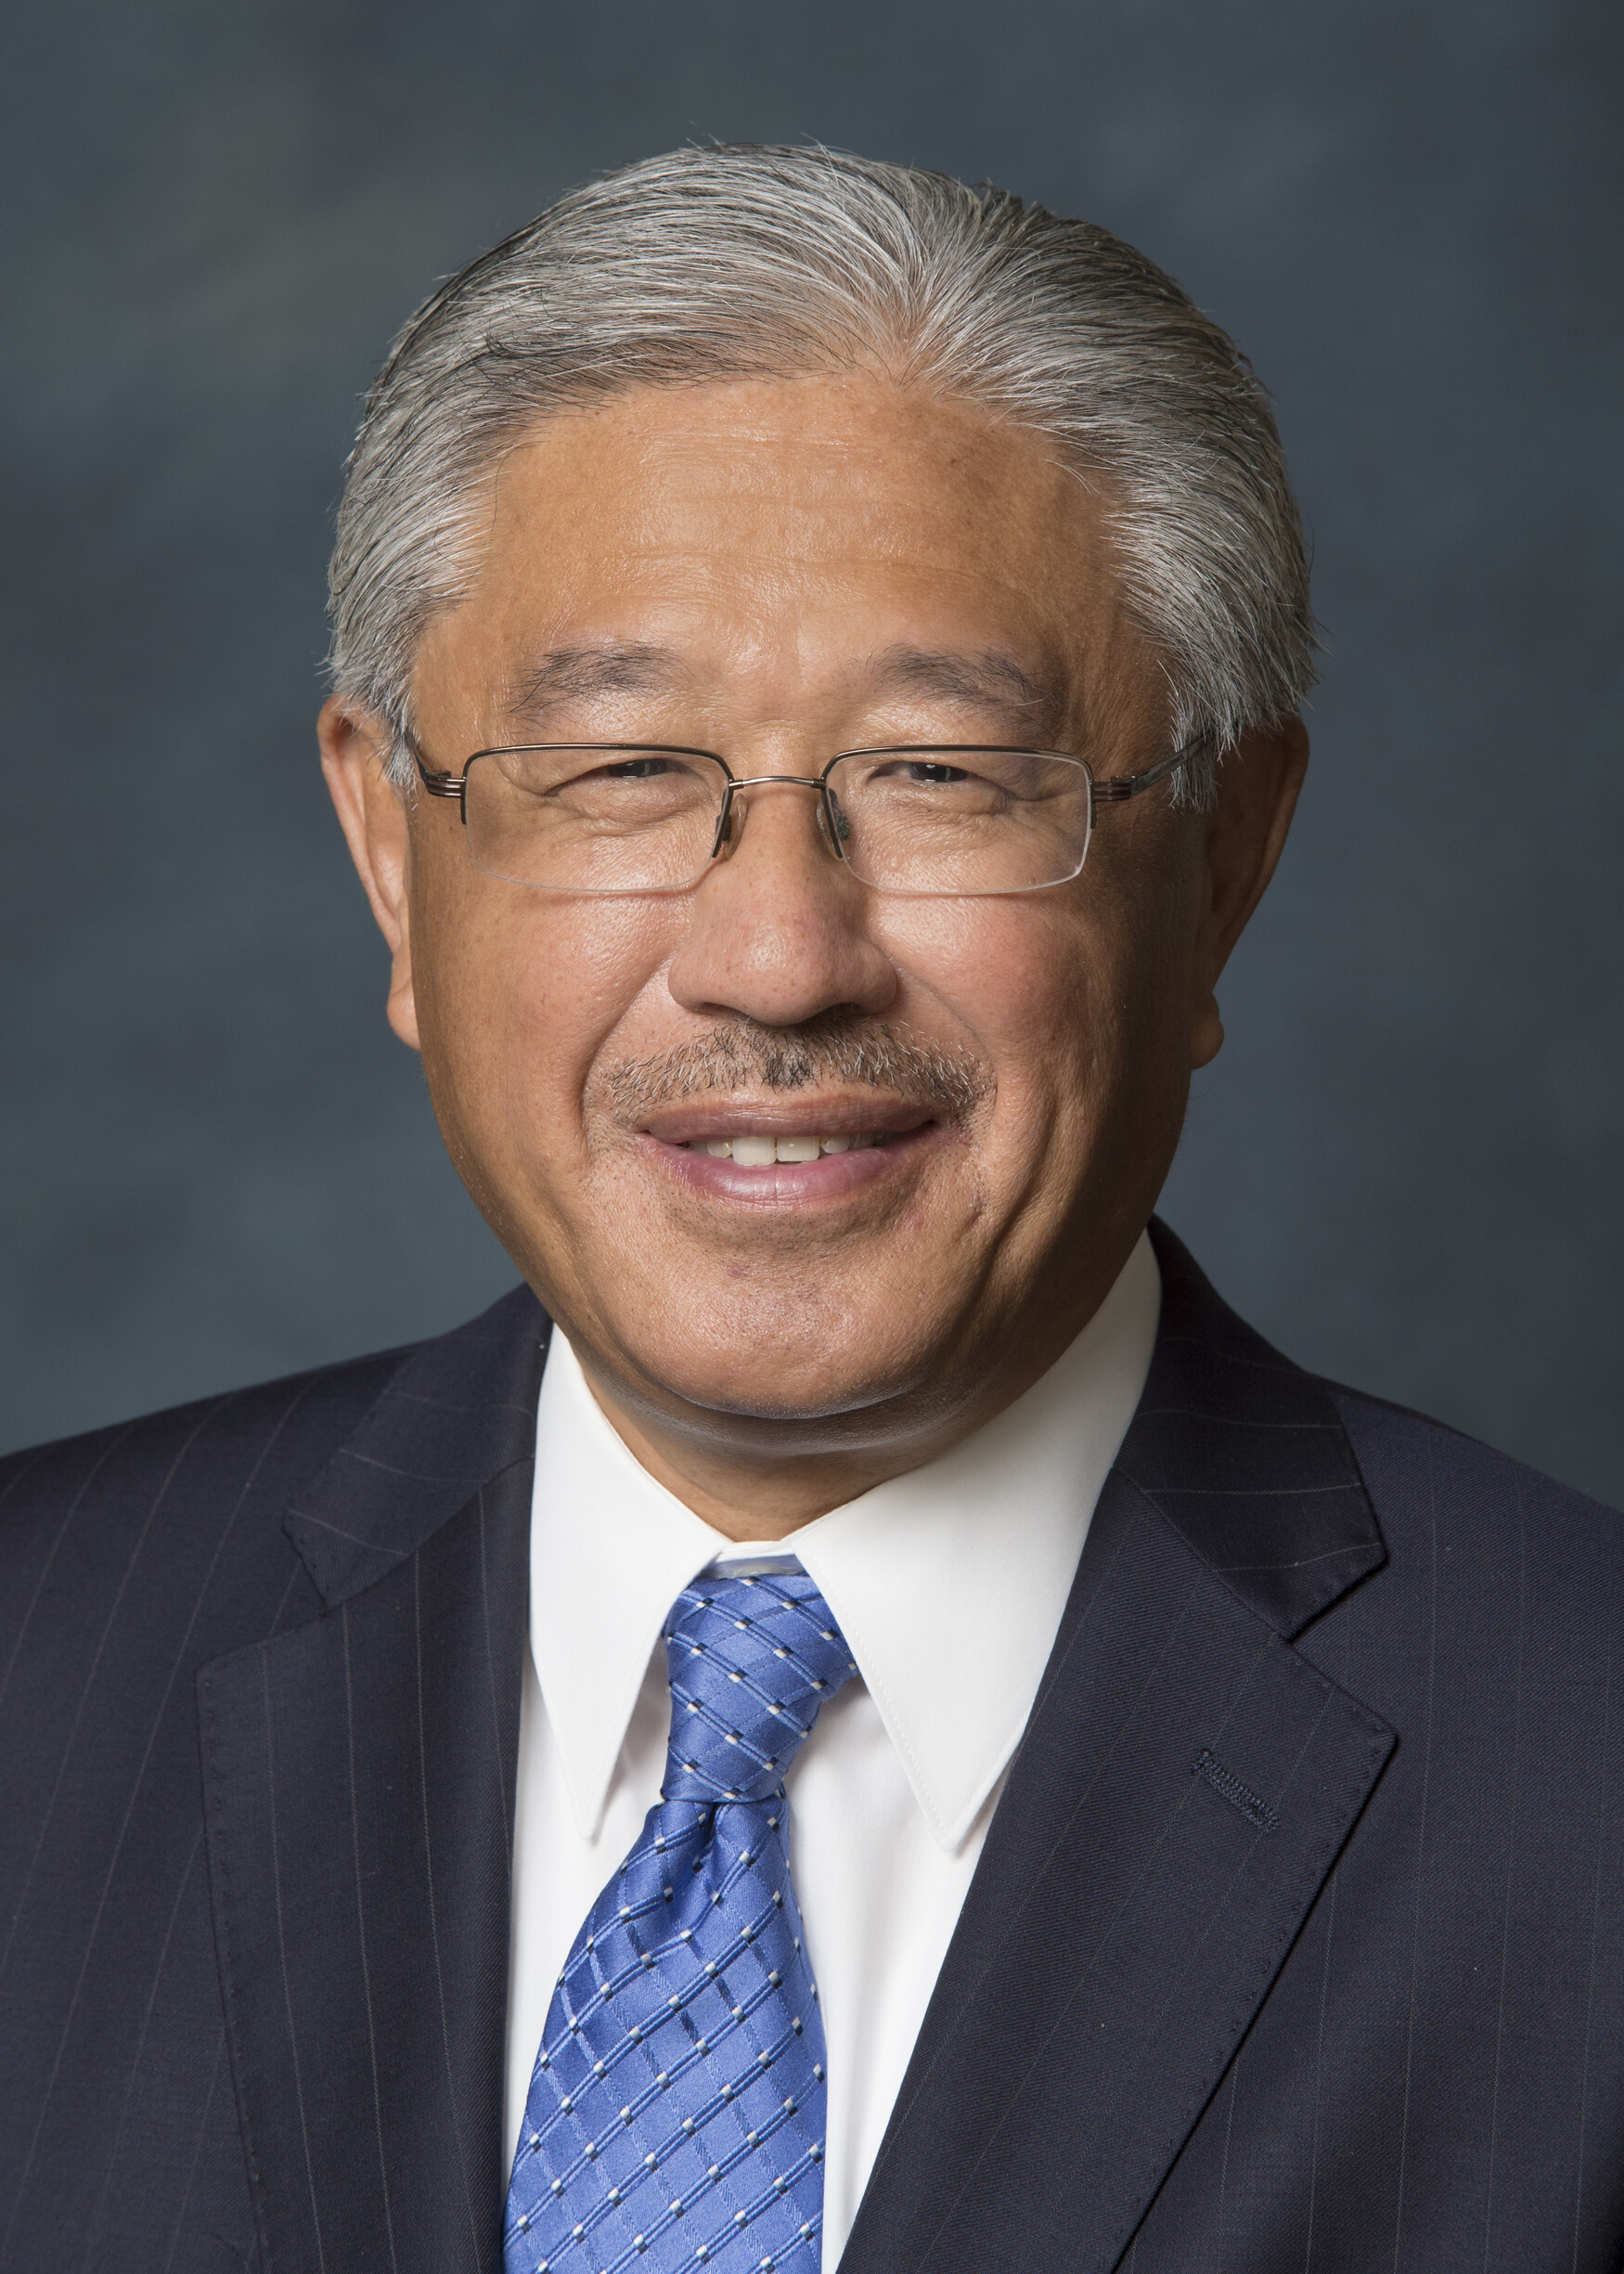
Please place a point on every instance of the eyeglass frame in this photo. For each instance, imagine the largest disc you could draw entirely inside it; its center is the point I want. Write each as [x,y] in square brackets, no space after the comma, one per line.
[1114,790]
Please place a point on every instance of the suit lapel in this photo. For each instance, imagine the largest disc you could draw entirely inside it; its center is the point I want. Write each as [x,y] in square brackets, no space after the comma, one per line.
[1185,1785]
[454,1412]
[1186,1782]
[1246,1456]
[359,1779]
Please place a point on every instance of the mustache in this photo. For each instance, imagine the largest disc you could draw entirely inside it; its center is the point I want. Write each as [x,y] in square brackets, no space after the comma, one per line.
[833,1047]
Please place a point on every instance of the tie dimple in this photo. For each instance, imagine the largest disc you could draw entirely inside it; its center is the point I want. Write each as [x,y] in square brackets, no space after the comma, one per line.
[674,2118]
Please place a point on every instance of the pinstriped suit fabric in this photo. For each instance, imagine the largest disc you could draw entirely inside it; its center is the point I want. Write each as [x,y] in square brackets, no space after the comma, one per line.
[1435,2080]
[358,1773]
[128,1558]
[1319,1825]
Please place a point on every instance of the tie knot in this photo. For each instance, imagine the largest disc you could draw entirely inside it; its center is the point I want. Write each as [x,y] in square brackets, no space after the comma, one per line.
[751,1662]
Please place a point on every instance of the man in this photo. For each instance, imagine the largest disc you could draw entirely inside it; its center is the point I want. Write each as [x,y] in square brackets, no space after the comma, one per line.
[862,1717]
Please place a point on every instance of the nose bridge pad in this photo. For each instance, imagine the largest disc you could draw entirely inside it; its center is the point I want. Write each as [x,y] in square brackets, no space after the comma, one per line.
[832,825]
[730,825]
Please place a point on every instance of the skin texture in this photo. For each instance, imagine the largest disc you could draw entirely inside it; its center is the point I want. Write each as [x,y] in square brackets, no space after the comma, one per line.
[771,1343]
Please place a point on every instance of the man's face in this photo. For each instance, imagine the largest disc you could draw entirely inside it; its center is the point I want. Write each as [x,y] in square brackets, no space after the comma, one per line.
[777,572]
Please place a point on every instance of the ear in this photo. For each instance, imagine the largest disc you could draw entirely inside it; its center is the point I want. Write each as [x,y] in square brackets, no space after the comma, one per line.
[1259,782]
[374,817]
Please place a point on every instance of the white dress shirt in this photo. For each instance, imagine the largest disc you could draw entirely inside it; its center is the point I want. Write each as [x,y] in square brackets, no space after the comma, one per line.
[948,1585]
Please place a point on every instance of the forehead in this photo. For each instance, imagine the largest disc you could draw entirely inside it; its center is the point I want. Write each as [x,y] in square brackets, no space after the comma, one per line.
[785,529]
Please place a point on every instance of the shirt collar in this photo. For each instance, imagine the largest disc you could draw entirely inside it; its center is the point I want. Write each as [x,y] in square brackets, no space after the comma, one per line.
[948,1583]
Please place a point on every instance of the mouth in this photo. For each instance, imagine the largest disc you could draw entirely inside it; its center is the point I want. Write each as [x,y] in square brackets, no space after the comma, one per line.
[756,1149]
[784,1155]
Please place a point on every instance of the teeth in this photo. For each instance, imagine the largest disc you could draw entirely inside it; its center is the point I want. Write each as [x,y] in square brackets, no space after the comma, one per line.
[761,1151]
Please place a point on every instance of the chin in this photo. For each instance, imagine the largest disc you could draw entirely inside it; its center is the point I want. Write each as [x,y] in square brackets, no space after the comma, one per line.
[797,1385]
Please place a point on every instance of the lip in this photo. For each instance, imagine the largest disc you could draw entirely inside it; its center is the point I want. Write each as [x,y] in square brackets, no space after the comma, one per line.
[829,1116]
[834,1177]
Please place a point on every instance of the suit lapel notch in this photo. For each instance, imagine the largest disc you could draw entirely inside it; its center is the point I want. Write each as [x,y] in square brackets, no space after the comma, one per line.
[456,1412]
[1246,1456]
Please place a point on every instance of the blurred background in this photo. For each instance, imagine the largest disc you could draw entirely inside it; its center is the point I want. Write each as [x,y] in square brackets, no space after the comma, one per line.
[1406,1166]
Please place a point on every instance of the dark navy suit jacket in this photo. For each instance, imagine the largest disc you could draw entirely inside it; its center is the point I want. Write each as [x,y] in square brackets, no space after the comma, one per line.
[1296,1944]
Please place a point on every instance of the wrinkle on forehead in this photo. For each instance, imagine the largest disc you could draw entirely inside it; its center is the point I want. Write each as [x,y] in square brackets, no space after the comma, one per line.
[780,544]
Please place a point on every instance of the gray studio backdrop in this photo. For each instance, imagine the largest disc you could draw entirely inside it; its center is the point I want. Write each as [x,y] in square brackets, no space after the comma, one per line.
[1406,1167]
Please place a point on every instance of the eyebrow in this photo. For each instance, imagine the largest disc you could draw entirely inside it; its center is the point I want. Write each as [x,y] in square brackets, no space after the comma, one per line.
[569,675]
[988,679]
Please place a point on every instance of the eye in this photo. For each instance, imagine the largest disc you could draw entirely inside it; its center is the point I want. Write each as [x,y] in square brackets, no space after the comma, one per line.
[931,773]
[933,780]
[638,769]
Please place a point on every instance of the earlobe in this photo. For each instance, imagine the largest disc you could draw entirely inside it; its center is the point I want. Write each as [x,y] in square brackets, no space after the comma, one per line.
[373,817]
[1206,1034]
[402,1007]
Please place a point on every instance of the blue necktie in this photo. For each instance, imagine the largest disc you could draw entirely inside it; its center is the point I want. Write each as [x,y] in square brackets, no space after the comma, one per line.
[675,2114]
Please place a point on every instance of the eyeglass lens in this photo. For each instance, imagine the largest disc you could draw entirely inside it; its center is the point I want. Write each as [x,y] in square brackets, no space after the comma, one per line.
[914,820]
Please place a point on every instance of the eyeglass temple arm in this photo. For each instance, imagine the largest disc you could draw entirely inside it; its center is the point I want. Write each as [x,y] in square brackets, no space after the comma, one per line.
[1117,790]
[438,784]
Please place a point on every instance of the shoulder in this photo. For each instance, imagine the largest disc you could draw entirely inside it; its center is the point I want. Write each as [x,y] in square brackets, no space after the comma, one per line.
[1427,1479]
[1496,1617]
[198,1496]
[1426,1485]
[128,1558]
[161,1541]
[113,1480]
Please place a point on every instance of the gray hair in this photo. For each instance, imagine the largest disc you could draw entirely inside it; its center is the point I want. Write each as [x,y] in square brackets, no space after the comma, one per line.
[738,262]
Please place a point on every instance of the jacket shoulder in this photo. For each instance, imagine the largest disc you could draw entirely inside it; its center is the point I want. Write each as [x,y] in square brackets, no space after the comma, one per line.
[1500,1587]
[90,1513]
[1411,1462]
[139,1550]
[280,1426]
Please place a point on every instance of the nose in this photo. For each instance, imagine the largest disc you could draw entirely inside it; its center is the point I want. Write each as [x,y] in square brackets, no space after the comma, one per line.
[780,928]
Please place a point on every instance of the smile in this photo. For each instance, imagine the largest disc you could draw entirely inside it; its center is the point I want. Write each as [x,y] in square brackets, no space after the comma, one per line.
[755,1150]
[724,1154]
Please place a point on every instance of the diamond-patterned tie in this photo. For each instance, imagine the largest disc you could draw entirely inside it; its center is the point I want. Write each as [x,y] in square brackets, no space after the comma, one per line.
[675,2114]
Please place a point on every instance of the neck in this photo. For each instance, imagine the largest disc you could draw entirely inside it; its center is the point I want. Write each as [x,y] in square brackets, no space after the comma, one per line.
[749,1479]
[746,1497]
[759,1477]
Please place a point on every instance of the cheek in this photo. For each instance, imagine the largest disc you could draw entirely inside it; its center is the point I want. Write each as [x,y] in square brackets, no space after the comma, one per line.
[1074,1003]
[523,991]
[1027,982]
